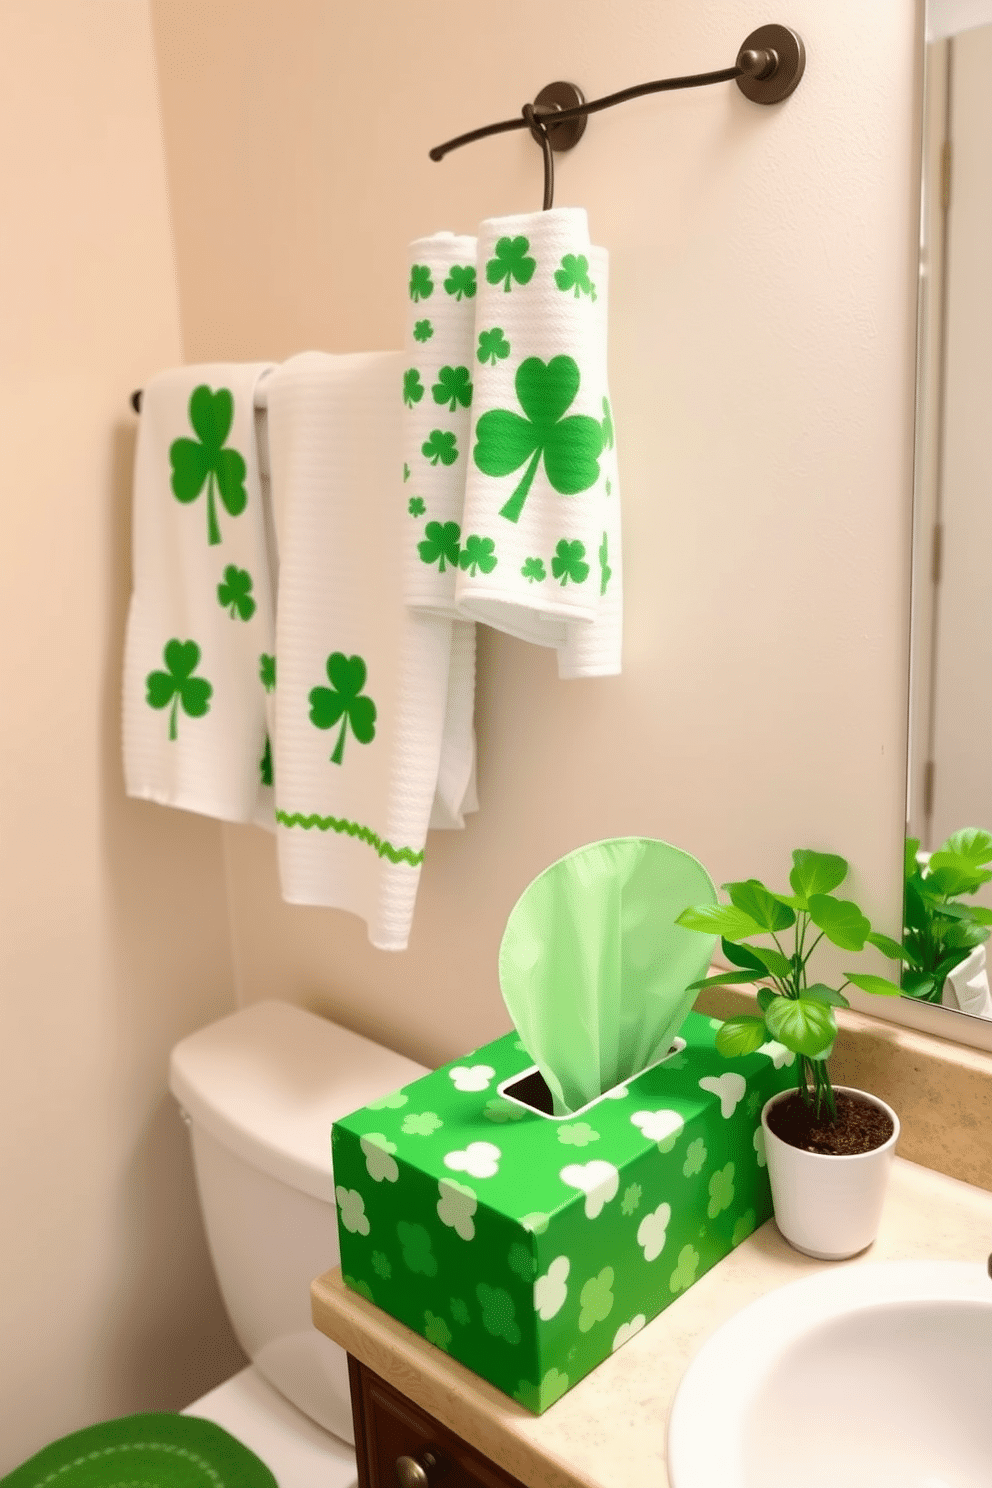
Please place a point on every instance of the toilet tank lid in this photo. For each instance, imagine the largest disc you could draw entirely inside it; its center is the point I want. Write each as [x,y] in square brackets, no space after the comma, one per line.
[268,1081]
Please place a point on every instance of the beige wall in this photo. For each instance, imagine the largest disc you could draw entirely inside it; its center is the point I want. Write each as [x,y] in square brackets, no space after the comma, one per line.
[762,348]
[114,938]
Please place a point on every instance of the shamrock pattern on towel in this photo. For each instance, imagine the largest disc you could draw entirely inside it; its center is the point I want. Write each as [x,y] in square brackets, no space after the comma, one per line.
[461,281]
[440,445]
[421,283]
[234,594]
[205,462]
[453,387]
[493,346]
[413,388]
[574,274]
[570,447]
[342,702]
[511,262]
[177,685]
[569,562]
[478,552]
[440,544]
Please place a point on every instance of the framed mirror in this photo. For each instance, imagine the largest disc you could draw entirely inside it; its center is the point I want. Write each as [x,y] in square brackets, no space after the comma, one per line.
[948,912]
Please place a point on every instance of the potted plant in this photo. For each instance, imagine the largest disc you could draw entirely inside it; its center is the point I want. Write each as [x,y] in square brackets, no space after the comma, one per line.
[941,933]
[828,1150]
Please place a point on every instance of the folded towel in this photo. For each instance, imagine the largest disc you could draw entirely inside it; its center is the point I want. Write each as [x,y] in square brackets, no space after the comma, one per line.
[362,687]
[455,794]
[201,616]
[437,393]
[966,986]
[540,540]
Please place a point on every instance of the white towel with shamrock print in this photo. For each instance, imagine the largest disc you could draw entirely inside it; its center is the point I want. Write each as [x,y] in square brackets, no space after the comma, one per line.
[201,615]
[437,392]
[362,685]
[539,552]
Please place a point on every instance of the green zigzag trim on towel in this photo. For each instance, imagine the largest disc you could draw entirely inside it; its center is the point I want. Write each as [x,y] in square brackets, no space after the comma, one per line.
[353,829]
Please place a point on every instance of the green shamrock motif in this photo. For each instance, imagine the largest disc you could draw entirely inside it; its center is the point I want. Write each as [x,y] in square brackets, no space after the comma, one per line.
[744,1226]
[721,1191]
[413,388]
[631,1198]
[511,262]
[501,1110]
[361,1287]
[267,671]
[499,1315]
[204,461]
[608,433]
[421,283]
[568,563]
[605,571]
[421,1123]
[695,1158]
[574,274]
[521,1261]
[460,1312]
[493,346]
[415,506]
[685,1269]
[440,543]
[177,685]
[577,1134]
[440,446]
[406,471]
[391,1102]
[422,330]
[461,281]
[596,1300]
[534,570]
[341,700]
[417,1254]
[453,386]
[234,594]
[381,1265]
[436,1330]
[571,447]
[265,763]
[478,552]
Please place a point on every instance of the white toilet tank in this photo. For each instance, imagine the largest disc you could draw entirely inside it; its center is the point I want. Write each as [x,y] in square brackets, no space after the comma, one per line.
[261,1089]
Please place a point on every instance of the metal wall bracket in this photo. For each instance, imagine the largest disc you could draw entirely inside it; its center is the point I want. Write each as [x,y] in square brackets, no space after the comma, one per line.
[778,71]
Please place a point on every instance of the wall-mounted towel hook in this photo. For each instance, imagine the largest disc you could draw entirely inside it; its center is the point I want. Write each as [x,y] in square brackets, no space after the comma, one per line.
[769,66]
[540,118]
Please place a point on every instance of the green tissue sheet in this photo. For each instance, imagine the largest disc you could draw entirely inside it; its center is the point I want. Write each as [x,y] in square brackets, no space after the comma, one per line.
[593,968]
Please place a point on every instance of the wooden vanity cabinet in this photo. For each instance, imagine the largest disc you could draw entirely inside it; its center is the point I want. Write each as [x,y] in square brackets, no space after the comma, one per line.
[399,1445]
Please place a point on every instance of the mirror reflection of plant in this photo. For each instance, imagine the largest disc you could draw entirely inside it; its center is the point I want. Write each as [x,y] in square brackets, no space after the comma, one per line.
[940,932]
[796,1012]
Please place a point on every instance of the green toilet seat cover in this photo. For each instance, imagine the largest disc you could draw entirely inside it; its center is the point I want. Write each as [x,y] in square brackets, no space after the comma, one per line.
[156,1450]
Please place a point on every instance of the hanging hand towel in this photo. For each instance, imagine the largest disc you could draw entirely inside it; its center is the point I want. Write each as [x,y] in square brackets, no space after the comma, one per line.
[201,617]
[540,542]
[362,684]
[437,394]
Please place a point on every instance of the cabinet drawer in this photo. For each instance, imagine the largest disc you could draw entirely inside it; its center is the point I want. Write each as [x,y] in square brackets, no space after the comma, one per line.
[389,1427]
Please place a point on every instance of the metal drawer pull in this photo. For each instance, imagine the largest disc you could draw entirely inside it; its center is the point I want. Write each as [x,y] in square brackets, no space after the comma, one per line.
[413,1473]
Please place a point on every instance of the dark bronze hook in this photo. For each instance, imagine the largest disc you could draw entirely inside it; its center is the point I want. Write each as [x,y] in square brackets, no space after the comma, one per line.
[538,128]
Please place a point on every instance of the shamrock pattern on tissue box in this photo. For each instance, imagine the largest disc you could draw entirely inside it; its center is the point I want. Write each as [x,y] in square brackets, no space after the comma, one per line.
[532,1247]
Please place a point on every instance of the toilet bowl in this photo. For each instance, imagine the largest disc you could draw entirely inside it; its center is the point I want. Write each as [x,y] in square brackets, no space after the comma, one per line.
[259,1091]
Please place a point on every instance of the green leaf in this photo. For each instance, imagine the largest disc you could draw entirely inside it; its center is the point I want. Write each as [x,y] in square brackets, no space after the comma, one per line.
[890,948]
[971,843]
[740,1036]
[921,985]
[828,996]
[741,955]
[718,919]
[773,961]
[841,921]
[955,876]
[910,865]
[726,979]
[815,873]
[804,1027]
[878,986]
[764,908]
[964,935]
[766,996]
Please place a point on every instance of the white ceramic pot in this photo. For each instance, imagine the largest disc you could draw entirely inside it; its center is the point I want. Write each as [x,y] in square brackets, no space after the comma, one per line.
[828,1207]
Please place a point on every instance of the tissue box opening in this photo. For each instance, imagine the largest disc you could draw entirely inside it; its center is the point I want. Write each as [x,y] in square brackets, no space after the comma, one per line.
[531,1248]
[531,1091]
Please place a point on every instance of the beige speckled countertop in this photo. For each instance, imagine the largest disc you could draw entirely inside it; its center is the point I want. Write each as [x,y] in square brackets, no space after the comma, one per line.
[610,1429]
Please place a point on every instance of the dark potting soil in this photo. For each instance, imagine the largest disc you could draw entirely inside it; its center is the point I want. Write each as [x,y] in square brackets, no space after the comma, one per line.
[860,1126]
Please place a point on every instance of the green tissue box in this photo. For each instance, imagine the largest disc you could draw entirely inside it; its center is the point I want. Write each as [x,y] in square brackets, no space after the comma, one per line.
[530,1247]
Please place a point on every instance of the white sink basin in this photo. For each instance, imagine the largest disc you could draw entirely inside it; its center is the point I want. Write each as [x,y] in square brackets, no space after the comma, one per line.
[861,1376]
